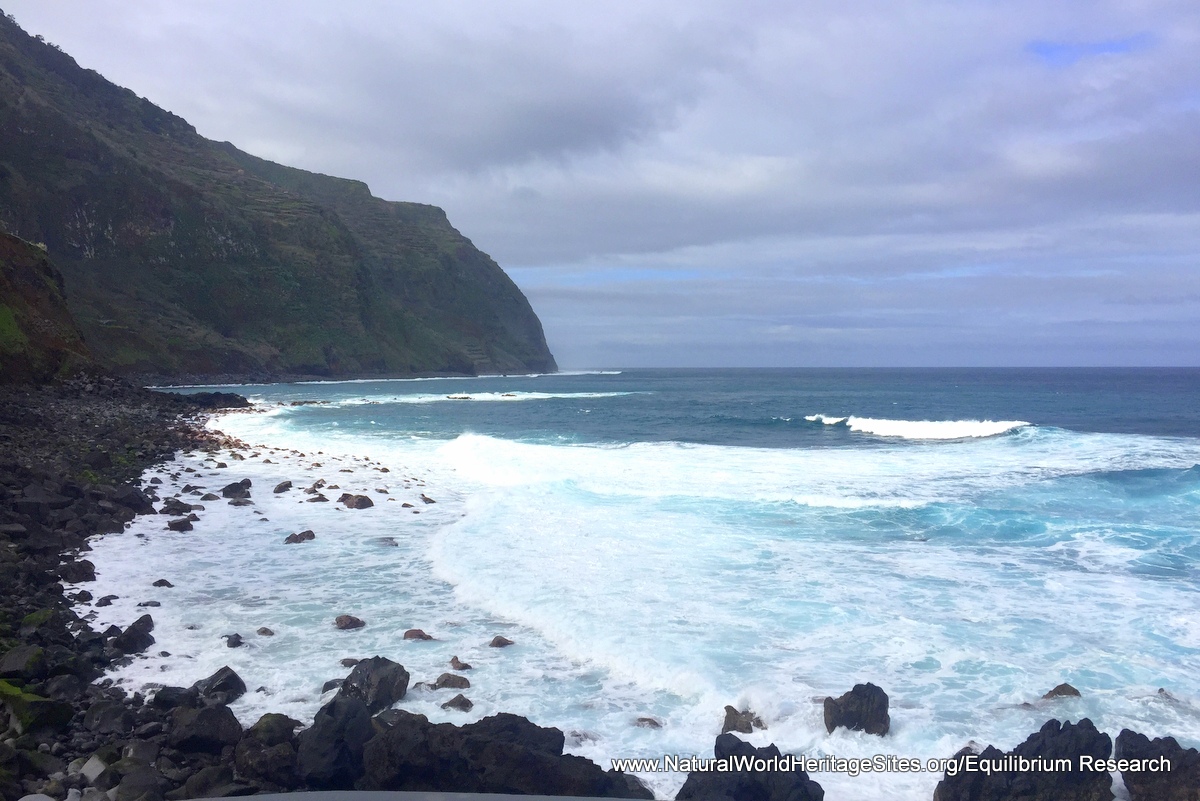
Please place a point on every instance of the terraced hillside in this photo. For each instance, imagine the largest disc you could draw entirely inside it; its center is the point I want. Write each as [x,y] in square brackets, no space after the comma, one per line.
[185,257]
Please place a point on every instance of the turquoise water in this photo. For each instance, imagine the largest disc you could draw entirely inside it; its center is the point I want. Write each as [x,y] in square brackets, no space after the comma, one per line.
[663,543]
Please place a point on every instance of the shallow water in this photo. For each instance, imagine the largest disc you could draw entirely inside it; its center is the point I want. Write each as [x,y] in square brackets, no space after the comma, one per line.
[661,544]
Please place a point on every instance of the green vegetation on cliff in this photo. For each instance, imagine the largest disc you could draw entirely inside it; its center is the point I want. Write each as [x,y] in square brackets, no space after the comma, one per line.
[186,257]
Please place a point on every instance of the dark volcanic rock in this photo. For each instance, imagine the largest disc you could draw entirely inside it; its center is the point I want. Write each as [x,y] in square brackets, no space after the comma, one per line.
[346,622]
[378,682]
[453,681]
[172,697]
[208,729]
[1179,783]
[742,722]
[223,687]
[25,662]
[77,571]
[1062,691]
[330,752]
[749,785]
[356,501]
[458,664]
[238,489]
[137,637]
[416,634]
[499,754]
[1054,742]
[267,751]
[500,642]
[282,486]
[459,702]
[163,583]
[182,524]
[303,536]
[864,708]
[234,640]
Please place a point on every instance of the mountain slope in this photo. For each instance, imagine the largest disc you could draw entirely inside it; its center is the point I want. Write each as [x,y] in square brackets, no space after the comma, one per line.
[185,257]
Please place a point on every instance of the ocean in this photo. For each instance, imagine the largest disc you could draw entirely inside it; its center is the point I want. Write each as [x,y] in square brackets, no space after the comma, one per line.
[663,543]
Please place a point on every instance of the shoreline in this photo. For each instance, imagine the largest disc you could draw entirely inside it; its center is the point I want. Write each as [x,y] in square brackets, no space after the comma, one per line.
[141,727]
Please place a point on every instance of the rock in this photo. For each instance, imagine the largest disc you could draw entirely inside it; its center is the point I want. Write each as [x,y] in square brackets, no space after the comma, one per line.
[346,622]
[1052,743]
[163,583]
[743,722]
[263,631]
[150,603]
[458,664]
[182,524]
[282,486]
[176,507]
[108,717]
[223,687]
[329,753]
[303,536]
[649,723]
[356,501]
[416,634]
[459,702]
[378,682]
[499,754]
[1180,783]
[236,490]
[172,697]
[1062,691]
[32,714]
[426,499]
[332,684]
[350,662]
[234,640]
[267,751]
[318,498]
[500,642]
[106,600]
[210,496]
[742,785]
[137,637]
[864,708]
[77,571]
[208,729]
[451,680]
[25,662]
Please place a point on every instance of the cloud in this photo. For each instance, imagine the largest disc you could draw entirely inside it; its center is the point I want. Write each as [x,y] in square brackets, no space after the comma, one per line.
[900,182]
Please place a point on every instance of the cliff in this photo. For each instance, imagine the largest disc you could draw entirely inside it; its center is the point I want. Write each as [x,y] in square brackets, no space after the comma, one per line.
[187,257]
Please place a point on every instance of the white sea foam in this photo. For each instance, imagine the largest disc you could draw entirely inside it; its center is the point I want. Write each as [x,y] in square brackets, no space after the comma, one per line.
[921,429]
[668,580]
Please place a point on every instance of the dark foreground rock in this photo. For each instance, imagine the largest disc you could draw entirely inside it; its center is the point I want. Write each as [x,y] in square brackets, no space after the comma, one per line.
[864,708]
[749,784]
[1051,771]
[378,682]
[499,754]
[1149,781]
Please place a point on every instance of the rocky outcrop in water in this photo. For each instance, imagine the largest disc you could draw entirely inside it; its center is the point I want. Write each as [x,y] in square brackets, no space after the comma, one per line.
[749,784]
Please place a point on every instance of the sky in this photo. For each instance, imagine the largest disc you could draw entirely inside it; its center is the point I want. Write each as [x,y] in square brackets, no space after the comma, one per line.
[706,183]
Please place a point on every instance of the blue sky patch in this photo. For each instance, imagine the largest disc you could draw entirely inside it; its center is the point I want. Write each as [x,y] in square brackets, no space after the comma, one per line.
[1064,54]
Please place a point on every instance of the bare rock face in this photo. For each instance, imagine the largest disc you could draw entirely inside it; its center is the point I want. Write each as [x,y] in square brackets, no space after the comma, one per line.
[1151,782]
[1061,744]
[864,708]
[742,722]
[767,785]
[347,622]
[330,753]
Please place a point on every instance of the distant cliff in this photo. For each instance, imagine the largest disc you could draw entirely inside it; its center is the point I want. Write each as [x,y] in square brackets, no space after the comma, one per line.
[187,257]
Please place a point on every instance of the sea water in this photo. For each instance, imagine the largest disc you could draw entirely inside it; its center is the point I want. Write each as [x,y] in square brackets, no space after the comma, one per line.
[659,544]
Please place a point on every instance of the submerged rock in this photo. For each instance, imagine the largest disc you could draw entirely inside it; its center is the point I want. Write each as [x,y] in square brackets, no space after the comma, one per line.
[1062,691]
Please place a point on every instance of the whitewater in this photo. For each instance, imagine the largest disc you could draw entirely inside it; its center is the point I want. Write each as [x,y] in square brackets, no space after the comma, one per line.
[659,545]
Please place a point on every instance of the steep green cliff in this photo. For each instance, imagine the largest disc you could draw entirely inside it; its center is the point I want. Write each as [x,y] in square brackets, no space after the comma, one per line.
[185,257]
[38,337]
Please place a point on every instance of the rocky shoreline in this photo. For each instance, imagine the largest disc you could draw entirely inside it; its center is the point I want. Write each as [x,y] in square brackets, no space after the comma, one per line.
[73,453]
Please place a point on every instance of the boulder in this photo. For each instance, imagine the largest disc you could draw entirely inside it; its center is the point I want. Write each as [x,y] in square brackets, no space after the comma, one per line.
[356,501]
[282,486]
[500,642]
[176,507]
[77,571]
[32,714]
[743,785]
[208,729]
[180,524]
[137,637]
[426,499]
[236,490]
[267,751]
[416,634]
[1181,782]
[234,640]
[303,536]
[864,708]
[263,631]
[648,723]
[172,697]
[458,664]
[346,622]
[223,687]
[1058,744]
[109,717]
[743,722]
[25,662]
[329,755]
[378,682]
[459,702]
[451,680]
[163,583]
[1062,691]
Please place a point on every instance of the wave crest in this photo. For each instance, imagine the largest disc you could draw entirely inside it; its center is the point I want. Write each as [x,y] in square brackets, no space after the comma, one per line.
[921,429]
